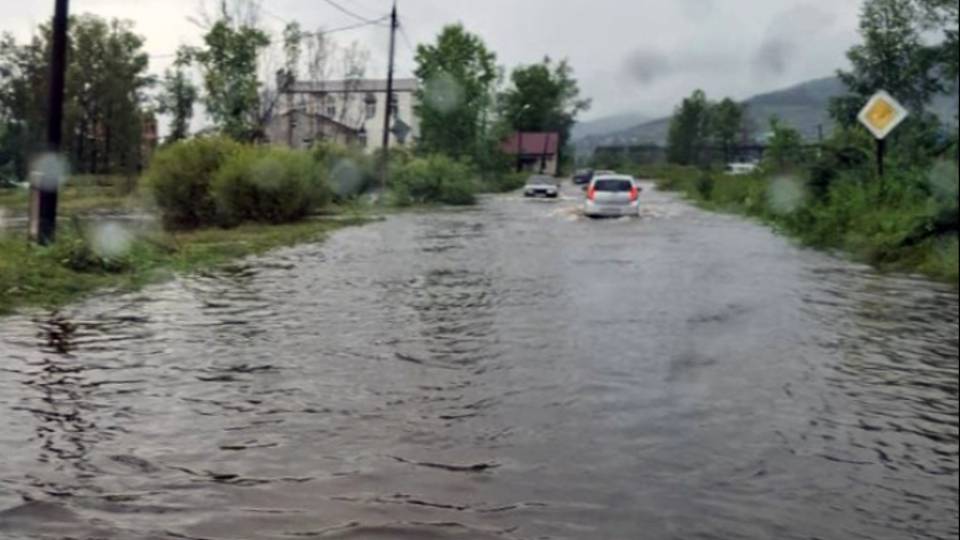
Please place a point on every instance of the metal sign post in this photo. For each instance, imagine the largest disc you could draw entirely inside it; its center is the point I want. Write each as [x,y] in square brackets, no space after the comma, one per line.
[881,115]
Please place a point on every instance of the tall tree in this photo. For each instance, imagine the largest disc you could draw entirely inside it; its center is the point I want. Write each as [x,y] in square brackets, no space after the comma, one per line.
[726,125]
[543,97]
[892,57]
[944,16]
[228,61]
[105,88]
[178,97]
[456,77]
[785,149]
[689,129]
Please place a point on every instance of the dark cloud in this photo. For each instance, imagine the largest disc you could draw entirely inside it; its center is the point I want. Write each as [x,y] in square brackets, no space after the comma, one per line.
[787,33]
[773,56]
[646,66]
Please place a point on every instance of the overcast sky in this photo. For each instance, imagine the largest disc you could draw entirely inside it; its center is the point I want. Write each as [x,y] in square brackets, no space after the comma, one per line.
[629,55]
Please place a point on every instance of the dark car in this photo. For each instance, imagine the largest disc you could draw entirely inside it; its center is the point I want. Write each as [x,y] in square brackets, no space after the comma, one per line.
[582,176]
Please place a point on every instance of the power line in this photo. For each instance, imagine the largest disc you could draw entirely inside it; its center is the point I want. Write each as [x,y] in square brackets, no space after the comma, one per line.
[346,11]
[318,33]
[406,38]
[349,27]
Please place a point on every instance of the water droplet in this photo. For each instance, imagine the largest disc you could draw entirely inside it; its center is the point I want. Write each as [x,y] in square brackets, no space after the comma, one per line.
[443,93]
[785,194]
[49,171]
[346,177]
[110,240]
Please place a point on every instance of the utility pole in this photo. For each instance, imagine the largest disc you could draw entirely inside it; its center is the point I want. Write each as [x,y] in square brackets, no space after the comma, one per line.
[43,191]
[385,164]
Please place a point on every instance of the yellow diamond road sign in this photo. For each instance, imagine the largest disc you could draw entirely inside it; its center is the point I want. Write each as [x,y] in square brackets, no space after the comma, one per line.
[882,114]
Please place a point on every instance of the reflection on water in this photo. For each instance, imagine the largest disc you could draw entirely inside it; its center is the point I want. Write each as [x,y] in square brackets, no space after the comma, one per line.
[502,373]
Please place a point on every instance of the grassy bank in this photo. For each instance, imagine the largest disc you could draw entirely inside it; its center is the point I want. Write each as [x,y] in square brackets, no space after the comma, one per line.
[216,199]
[903,222]
[74,200]
[75,266]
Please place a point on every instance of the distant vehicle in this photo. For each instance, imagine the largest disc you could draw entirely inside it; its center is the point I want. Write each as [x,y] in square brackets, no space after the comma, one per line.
[541,185]
[737,169]
[612,195]
[589,175]
[582,176]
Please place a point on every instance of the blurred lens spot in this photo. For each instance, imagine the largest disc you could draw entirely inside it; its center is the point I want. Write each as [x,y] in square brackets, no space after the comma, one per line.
[944,179]
[48,172]
[346,177]
[443,93]
[110,240]
[785,194]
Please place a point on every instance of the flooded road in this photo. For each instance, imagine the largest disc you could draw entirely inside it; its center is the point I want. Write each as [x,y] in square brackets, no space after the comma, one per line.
[511,371]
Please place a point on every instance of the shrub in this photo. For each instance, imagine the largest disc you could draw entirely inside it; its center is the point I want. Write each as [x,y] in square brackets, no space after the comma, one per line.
[433,179]
[179,180]
[75,253]
[269,184]
[351,172]
[503,183]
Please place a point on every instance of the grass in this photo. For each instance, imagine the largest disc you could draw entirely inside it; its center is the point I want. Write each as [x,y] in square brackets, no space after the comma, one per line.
[73,200]
[897,224]
[52,276]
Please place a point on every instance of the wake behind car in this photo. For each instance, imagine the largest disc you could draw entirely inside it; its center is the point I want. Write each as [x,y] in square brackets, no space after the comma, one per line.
[612,195]
[541,186]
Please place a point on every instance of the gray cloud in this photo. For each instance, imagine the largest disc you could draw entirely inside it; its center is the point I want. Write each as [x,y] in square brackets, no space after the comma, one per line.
[787,33]
[773,55]
[646,66]
[638,55]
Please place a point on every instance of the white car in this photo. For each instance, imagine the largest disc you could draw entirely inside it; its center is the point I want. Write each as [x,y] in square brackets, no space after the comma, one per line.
[612,195]
[738,169]
[541,185]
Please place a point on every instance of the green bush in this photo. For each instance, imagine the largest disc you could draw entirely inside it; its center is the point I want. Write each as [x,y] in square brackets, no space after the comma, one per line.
[433,179]
[503,183]
[351,172]
[269,184]
[179,180]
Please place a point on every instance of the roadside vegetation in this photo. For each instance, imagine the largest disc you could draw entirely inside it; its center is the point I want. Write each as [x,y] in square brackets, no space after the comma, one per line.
[831,195]
[202,199]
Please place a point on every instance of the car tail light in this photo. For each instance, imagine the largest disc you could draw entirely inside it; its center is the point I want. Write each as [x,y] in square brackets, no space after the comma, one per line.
[634,193]
[591,192]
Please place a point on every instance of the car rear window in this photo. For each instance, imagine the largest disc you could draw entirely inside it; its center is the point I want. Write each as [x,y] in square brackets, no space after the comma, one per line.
[613,185]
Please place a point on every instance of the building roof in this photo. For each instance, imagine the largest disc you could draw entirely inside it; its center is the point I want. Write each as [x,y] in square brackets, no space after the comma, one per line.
[321,117]
[360,85]
[534,143]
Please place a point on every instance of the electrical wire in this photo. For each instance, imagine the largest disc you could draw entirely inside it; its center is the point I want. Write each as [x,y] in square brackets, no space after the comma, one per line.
[346,11]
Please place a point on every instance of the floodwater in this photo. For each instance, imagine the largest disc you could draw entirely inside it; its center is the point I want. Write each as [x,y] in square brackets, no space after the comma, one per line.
[511,371]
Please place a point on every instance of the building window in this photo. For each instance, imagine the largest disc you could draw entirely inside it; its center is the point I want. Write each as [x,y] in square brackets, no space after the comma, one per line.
[331,110]
[370,104]
[394,100]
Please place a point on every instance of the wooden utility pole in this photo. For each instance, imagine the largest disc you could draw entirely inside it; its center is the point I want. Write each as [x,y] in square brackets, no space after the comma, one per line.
[43,191]
[385,163]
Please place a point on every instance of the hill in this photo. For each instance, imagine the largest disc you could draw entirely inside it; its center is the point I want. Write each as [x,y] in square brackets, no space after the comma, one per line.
[607,124]
[803,106]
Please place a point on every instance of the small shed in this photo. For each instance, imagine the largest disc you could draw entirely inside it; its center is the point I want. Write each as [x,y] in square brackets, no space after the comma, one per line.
[534,151]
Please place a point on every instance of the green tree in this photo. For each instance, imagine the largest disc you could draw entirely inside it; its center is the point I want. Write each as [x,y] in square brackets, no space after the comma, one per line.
[104,98]
[456,76]
[892,57]
[785,149]
[228,61]
[944,15]
[543,97]
[726,125]
[689,129]
[178,97]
